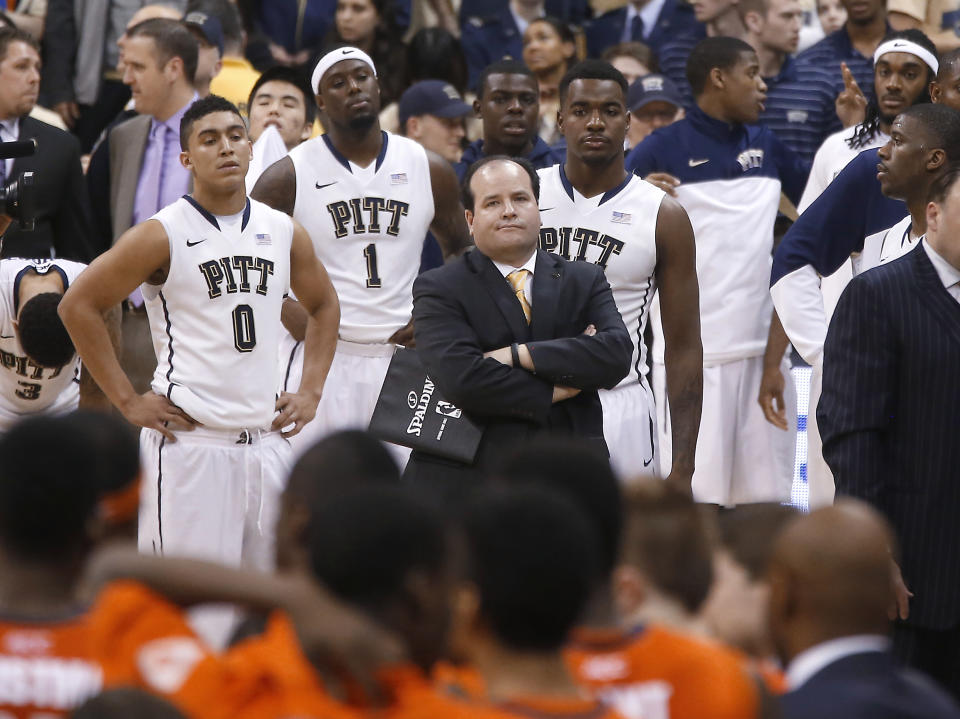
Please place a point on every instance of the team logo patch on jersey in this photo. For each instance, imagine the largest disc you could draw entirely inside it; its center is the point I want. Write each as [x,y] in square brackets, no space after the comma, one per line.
[398,178]
[750,159]
[796,116]
[262,238]
[622,218]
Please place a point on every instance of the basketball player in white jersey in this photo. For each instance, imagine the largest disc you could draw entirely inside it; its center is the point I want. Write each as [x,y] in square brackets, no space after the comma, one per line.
[367,198]
[39,368]
[214,267]
[592,209]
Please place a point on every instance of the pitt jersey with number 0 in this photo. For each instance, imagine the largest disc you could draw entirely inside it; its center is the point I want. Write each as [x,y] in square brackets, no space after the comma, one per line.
[616,231]
[215,320]
[368,225]
[26,388]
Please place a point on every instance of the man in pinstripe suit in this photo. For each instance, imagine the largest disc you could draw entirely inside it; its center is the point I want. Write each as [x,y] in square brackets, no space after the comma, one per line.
[888,417]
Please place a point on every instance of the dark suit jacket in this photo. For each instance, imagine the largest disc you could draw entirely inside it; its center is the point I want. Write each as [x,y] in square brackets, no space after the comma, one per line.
[676,17]
[868,686]
[467,308]
[889,418]
[62,207]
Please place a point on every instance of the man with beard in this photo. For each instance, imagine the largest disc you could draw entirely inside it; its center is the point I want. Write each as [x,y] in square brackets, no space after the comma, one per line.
[367,199]
[592,209]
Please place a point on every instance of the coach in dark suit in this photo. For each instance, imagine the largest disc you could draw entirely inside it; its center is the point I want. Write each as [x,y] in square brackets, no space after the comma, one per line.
[889,417]
[61,207]
[829,577]
[517,337]
[625,24]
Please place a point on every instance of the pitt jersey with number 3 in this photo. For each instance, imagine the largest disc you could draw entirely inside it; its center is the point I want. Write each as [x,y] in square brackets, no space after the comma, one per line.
[26,388]
[215,320]
[616,231]
[368,225]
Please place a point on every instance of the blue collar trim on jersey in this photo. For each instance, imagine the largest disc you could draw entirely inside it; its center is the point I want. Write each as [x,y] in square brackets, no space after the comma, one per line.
[21,273]
[209,217]
[345,162]
[568,186]
[713,127]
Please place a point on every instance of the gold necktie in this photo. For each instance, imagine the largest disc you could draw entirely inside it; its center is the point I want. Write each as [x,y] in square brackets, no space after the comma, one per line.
[518,280]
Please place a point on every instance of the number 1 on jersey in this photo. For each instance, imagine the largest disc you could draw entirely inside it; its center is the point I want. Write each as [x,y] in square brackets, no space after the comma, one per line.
[373,276]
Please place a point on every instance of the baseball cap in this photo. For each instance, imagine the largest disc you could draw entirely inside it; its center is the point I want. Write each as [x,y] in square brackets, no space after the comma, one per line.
[432,97]
[209,27]
[652,88]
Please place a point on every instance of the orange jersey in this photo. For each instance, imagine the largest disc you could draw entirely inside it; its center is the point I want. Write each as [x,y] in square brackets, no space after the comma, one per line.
[656,673]
[129,636]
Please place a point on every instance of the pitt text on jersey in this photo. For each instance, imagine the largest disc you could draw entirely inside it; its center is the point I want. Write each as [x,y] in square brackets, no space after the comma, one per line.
[558,241]
[369,208]
[25,368]
[221,272]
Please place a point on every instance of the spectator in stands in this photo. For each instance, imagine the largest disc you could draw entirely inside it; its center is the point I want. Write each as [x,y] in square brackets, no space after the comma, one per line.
[28,15]
[829,596]
[136,169]
[288,34]
[209,35]
[79,55]
[236,77]
[62,209]
[509,105]
[831,14]
[650,22]
[853,44]
[281,98]
[498,36]
[549,49]
[800,106]
[432,113]
[632,59]
[938,20]
[654,102]
[369,25]
[715,18]
[723,169]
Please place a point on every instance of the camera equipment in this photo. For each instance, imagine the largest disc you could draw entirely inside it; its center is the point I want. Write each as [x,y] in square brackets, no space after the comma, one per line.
[17,198]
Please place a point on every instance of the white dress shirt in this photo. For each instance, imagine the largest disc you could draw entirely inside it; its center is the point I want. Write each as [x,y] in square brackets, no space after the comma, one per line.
[528,265]
[812,660]
[948,274]
[9,132]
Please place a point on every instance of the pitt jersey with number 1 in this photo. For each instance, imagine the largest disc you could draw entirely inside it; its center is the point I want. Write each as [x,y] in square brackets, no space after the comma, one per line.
[215,320]
[368,225]
[616,231]
[26,388]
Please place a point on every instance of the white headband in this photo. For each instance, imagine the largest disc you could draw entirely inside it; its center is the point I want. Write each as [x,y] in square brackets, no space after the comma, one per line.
[335,56]
[901,45]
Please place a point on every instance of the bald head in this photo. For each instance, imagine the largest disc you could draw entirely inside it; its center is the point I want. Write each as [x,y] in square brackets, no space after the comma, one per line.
[830,577]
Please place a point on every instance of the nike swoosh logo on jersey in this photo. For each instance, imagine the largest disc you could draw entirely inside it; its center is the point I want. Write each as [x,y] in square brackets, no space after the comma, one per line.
[191,244]
[320,187]
[697,163]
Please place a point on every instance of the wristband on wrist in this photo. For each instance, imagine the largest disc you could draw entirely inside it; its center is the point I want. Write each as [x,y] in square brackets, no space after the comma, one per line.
[515,354]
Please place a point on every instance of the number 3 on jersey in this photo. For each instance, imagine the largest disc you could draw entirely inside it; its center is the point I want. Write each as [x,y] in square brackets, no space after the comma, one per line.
[373,276]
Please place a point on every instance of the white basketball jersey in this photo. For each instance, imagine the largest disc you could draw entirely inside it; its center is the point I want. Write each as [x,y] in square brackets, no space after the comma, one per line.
[368,226]
[617,231]
[215,320]
[26,388]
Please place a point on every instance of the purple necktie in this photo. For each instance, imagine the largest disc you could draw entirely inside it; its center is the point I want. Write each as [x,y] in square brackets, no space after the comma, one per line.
[150,187]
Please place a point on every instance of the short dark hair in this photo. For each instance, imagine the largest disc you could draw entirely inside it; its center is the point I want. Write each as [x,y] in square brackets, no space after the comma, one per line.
[748,532]
[229,16]
[666,539]
[582,472]
[949,59]
[503,67]
[466,194]
[941,186]
[710,53]
[592,70]
[363,544]
[532,556]
[942,123]
[43,336]
[172,39]
[201,108]
[46,497]
[281,73]
[339,463]
[10,35]
[125,702]
[637,50]
[436,54]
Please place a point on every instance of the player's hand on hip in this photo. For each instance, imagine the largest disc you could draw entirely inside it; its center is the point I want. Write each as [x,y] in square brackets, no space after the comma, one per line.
[665,181]
[155,411]
[295,409]
[404,335]
[771,396]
